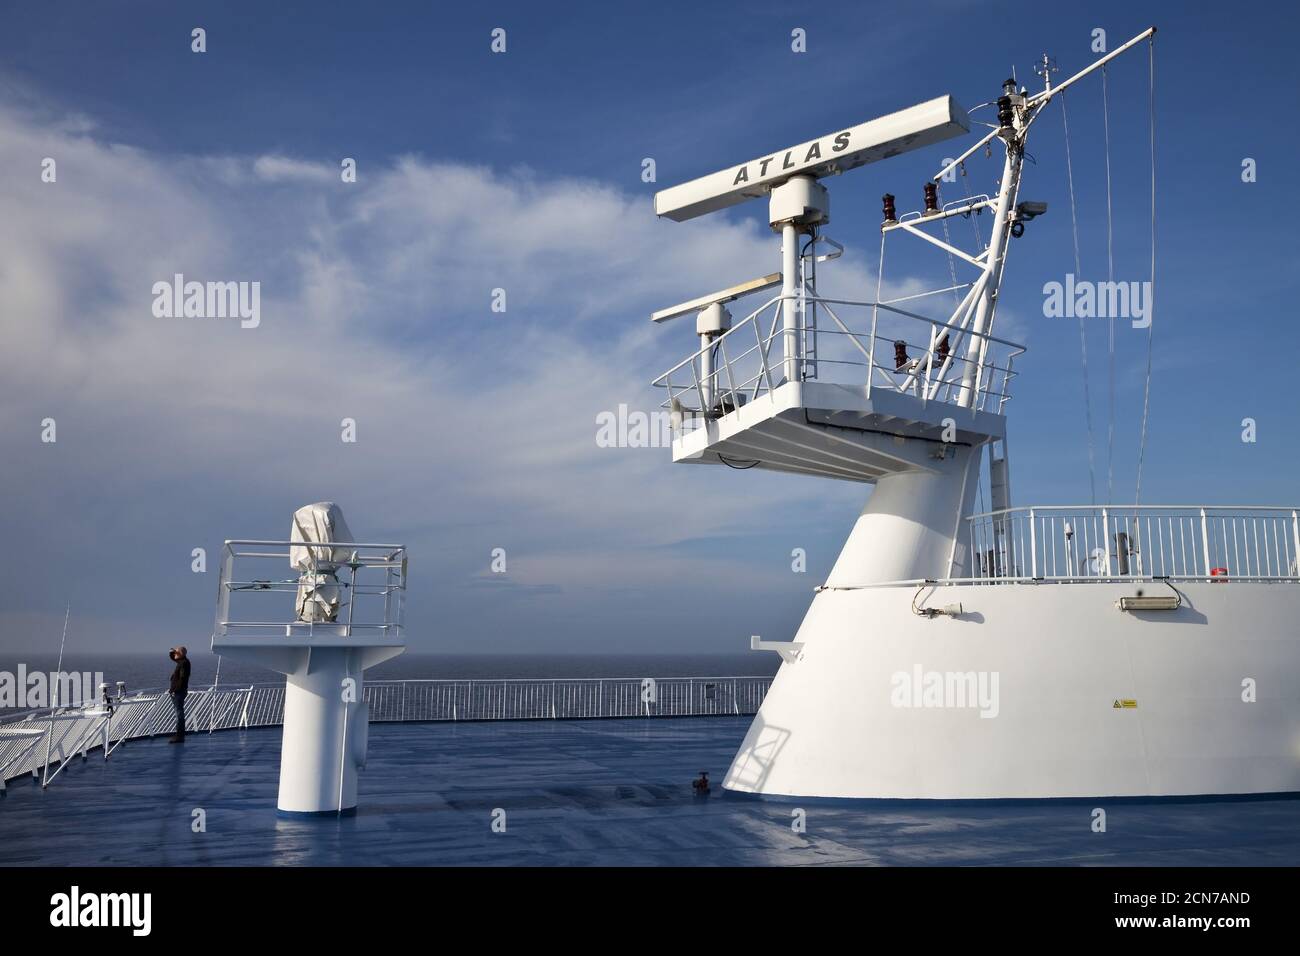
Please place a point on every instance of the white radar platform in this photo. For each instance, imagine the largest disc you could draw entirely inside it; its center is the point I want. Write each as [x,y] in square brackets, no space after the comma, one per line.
[338,613]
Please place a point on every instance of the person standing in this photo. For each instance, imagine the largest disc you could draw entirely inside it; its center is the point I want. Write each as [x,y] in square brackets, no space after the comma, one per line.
[180,686]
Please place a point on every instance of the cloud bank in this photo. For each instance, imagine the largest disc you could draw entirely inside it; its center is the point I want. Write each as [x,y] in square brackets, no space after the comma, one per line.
[475,429]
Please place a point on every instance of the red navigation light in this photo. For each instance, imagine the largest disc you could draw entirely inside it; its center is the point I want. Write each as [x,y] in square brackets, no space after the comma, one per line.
[889,212]
[942,349]
[931,199]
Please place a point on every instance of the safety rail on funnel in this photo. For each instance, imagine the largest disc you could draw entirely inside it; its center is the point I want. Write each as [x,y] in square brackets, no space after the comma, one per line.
[1106,542]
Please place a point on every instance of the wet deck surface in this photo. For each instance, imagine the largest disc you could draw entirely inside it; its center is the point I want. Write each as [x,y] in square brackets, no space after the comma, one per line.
[608,792]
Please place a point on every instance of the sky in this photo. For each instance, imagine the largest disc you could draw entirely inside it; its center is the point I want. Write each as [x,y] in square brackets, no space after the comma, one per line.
[476,430]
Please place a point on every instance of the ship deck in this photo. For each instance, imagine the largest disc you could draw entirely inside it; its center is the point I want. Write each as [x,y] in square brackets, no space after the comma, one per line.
[575,792]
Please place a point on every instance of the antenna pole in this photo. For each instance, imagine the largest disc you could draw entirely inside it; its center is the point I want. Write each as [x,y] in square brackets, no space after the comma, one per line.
[1045,70]
[794,207]
[993,268]
[1020,112]
[790,304]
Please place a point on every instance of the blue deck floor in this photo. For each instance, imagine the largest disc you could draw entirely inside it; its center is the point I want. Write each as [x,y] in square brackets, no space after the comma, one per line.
[613,792]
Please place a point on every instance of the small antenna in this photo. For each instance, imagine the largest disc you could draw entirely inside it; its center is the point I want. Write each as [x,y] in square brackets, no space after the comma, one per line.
[1046,67]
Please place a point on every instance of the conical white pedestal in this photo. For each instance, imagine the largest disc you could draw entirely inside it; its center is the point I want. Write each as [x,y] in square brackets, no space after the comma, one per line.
[325,718]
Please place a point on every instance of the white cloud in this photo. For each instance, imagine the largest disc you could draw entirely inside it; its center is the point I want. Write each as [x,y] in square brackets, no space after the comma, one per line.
[475,429]
[283,169]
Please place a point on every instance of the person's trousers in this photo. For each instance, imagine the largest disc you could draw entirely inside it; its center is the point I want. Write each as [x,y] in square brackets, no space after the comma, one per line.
[178,701]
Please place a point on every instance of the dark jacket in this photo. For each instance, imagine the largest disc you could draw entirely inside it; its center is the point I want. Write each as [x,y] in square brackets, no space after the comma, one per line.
[180,683]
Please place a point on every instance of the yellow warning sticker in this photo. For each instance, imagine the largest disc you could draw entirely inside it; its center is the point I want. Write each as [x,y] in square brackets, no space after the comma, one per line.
[1126,704]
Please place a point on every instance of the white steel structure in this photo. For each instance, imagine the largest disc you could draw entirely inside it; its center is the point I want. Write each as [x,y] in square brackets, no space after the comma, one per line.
[340,614]
[1019,653]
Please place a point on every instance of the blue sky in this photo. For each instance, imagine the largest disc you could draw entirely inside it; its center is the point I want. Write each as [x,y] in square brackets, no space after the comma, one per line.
[522,171]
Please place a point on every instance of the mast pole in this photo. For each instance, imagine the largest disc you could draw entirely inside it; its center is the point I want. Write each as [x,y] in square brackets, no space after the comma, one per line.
[993,269]
[789,305]
[1014,134]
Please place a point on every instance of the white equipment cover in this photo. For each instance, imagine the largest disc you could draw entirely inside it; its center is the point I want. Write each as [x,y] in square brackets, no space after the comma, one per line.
[319,594]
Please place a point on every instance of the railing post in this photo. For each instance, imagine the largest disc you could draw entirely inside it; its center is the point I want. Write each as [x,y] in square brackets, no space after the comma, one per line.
[223,590]
[1006,385]
[347,632]
[1033,546]
[699,387]
[1105,534]
[871,348]
[1205,541]
[45,769]
[929,365]
[388,597]
[1295,533]
[765,364]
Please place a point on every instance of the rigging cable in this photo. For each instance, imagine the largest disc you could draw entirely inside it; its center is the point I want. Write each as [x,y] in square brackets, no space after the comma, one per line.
[952,274]
[1146,397]
[952,263]
[1110,278]
[1083,338]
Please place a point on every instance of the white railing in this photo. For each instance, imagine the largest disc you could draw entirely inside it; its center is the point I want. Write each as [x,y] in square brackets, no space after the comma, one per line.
[1125,541]
[845,343]
[258,588]
[42,743]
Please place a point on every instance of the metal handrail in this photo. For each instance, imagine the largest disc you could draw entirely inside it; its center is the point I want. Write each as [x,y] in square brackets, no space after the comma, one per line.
[1052,581]
[239,706]
[1128,542]
[739,376]
[386,562]
[1123,507]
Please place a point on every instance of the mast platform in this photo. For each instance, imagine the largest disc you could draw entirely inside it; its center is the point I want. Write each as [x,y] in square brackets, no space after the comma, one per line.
[836,431]
[839,409]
